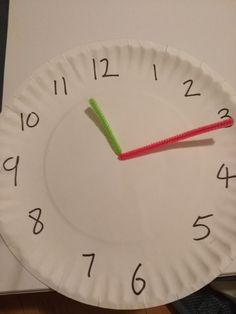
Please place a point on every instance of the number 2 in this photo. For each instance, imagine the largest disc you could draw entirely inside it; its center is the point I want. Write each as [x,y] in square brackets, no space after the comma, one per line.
[188,94]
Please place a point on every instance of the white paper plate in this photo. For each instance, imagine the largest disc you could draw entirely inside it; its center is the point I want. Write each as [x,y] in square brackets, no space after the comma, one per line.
[119,234]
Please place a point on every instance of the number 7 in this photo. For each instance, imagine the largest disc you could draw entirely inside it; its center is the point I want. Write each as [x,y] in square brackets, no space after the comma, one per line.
[91,263]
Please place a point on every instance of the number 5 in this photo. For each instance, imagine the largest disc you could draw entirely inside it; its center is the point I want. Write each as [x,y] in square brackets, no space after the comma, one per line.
[207,229]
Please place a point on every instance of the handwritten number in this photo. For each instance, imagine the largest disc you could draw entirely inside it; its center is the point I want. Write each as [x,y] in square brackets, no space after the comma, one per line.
[64,86]
[92,255]
[105,74]
[135,279]
[226,177]
[226,115]
[14,167]
[94,70]
[105,60]
[196,224]
[55,87]
[38,226]
[155,72]
[188,94]
[30,121]
[225,112]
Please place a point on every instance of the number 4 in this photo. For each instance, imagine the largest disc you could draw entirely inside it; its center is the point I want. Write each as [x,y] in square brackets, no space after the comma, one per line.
[226,177]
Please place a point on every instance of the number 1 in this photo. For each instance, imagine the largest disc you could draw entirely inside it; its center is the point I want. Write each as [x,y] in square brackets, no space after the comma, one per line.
[155,71]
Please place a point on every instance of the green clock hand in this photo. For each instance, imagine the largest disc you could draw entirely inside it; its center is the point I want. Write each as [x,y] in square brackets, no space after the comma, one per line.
[105,126]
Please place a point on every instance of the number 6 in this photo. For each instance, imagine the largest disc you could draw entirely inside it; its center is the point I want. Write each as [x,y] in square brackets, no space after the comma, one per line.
[141,280]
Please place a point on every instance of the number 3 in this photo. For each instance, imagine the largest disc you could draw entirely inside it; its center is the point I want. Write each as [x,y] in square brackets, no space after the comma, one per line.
[225,115]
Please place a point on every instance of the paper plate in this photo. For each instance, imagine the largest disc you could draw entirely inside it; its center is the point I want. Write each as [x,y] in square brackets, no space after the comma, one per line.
[119,234]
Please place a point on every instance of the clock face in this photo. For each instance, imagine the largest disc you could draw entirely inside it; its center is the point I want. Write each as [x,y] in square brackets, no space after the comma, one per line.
[117,233]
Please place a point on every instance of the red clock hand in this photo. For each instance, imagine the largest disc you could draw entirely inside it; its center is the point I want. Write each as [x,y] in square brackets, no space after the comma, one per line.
[174,139]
